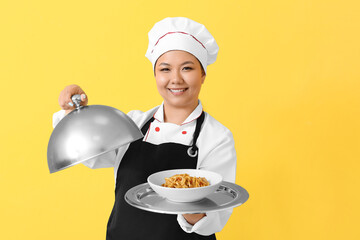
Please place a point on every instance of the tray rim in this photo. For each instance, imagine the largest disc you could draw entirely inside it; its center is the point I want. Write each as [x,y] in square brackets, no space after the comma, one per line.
[244,196]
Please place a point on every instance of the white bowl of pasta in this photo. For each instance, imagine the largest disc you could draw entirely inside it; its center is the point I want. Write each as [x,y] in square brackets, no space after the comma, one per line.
[184,185]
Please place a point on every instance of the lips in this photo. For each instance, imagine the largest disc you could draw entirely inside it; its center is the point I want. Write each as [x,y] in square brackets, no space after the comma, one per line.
[177,91]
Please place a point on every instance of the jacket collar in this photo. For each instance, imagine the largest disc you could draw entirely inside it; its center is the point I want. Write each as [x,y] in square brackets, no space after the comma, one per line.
[159,114]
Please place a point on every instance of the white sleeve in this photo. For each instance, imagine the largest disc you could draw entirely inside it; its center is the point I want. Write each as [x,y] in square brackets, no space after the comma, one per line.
[104,161]
[57,117]
[221,159]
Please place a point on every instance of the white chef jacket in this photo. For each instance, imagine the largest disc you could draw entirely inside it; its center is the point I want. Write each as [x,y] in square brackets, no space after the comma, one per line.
[216,153]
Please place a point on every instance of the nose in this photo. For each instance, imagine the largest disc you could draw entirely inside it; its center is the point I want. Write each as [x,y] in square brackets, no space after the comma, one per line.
[176,77]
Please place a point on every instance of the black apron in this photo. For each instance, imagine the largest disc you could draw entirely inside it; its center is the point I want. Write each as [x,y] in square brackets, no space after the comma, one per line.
[141,160]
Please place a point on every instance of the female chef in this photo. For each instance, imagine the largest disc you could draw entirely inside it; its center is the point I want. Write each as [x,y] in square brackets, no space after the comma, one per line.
[177,134]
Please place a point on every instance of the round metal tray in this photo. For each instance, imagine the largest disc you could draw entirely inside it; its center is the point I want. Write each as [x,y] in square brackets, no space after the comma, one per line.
[228,195]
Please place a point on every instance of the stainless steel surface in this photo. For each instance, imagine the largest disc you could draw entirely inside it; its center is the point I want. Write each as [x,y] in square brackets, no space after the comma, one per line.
[77,100]
[88,132]
[228,195]
[190,152]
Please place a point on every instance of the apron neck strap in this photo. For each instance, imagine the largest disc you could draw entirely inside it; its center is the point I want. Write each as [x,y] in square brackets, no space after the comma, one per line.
[199,123]
[193,150]
[146,125]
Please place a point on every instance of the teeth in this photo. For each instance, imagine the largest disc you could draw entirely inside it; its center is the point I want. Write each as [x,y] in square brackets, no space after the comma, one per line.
[177,90]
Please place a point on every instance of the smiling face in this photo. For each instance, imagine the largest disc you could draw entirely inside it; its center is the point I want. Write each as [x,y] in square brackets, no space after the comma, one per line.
[179,77]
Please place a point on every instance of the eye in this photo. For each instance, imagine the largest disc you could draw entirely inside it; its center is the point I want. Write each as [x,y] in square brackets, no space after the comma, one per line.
[187,68]
[164,69]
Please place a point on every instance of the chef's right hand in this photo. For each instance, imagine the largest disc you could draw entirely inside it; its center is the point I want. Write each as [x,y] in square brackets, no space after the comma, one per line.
[65,101]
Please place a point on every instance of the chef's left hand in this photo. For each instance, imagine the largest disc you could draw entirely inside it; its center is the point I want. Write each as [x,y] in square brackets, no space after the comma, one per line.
[193,218]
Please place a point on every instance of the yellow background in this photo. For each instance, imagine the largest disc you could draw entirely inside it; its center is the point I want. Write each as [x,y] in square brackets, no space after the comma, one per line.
[286,83]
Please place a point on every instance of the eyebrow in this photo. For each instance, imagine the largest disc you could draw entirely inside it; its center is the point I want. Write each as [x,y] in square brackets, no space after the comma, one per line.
[166,64]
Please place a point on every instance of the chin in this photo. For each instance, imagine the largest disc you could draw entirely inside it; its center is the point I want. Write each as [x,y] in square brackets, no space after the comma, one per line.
[180,103]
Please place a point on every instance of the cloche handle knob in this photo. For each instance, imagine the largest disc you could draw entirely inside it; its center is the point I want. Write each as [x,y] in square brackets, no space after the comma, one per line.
[77,100]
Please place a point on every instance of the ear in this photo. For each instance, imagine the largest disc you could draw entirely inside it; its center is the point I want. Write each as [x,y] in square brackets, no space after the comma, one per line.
[203,77]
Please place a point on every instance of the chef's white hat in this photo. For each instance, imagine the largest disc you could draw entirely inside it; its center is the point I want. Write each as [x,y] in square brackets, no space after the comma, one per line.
[180,33]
